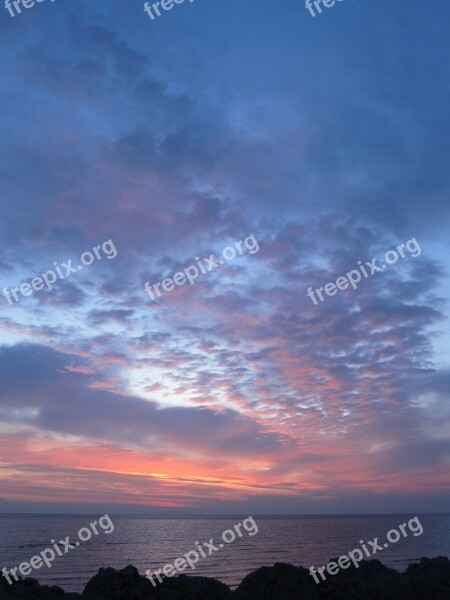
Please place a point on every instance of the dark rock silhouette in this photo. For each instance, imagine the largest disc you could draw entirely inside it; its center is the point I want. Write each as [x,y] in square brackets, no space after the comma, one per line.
[281,581]
[427,580]
[127,584]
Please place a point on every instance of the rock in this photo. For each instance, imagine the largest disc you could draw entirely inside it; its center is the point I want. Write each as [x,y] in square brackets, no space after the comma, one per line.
[280,582]
[370,581]
[126,584]
[29,589]
[187,587]
[427,580]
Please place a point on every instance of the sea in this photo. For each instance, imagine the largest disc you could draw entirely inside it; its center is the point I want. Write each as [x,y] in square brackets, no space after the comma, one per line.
[150,542]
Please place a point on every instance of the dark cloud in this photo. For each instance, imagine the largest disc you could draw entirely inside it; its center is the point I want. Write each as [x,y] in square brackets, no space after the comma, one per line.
[45,381]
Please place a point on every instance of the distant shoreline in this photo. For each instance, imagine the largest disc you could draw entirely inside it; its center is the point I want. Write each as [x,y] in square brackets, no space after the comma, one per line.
[223,516]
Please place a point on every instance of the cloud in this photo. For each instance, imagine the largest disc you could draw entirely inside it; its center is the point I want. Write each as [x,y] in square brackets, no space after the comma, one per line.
[327,156]
[44,381]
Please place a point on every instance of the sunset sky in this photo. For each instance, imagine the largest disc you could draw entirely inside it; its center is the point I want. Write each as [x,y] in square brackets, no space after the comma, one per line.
[327,138]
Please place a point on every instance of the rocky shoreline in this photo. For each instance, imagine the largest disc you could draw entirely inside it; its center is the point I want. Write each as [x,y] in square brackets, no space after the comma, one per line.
[427,580]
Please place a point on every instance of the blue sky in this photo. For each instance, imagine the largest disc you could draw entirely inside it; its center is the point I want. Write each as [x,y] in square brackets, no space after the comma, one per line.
[327,139]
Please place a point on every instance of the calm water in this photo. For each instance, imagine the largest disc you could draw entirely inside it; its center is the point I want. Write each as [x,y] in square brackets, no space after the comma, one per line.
[150,543]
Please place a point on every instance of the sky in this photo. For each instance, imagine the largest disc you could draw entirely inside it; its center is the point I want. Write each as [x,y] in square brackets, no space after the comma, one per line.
[166,141]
